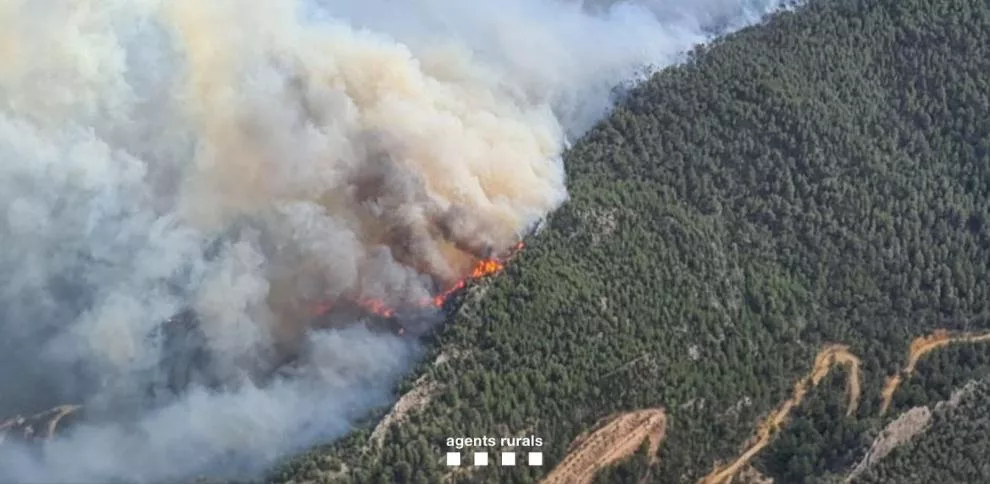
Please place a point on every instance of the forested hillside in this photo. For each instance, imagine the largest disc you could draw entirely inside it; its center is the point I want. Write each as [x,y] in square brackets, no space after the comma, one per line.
[822,178]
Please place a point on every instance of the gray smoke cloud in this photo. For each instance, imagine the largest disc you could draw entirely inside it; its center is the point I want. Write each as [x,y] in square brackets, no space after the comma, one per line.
[242,161]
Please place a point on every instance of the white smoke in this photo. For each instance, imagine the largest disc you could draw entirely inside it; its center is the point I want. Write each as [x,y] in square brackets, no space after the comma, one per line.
[240,161]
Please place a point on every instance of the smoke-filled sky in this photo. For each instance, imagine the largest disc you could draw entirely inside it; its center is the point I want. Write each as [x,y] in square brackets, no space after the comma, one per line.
[244,160]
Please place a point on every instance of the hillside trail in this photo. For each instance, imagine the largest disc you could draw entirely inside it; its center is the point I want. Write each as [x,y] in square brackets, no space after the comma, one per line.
[920,347]
[619,437]
[831,355]
[828,357]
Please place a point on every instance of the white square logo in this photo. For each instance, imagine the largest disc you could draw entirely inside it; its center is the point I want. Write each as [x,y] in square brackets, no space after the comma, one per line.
[481,458]
[536,458]
[453,458]
[508,458]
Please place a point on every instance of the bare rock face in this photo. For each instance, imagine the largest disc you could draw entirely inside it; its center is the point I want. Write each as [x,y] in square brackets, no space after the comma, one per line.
[905,427]
[413,400]
[37,427]
[900,431]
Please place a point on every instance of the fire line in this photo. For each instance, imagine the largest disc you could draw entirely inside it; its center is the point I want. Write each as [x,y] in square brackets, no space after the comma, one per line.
[483,268]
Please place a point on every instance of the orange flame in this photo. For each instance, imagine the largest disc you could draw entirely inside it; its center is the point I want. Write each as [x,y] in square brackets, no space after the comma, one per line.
[321,308]
[486,268]
[376,306]
[483,268]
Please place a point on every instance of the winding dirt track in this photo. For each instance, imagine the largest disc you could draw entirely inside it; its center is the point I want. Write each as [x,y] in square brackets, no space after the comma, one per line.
[620,437]
[920,347]
[828,357]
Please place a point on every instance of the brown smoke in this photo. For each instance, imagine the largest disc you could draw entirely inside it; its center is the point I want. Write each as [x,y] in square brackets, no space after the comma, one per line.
[233,162]
[426,162]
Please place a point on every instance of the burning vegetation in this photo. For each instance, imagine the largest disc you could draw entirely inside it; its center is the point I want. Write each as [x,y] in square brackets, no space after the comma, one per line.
[482,268]
[188,360]
[251,203]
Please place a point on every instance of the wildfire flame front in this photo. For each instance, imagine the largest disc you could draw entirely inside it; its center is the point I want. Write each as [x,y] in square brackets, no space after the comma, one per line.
[483,268]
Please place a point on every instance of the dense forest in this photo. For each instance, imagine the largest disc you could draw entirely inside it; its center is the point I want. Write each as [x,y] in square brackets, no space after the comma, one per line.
[822,177]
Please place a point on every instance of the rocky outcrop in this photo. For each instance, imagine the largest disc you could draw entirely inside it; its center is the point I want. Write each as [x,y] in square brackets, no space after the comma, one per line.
[37,427]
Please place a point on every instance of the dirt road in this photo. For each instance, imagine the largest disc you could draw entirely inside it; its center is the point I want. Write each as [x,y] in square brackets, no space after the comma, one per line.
[828,357]
[920,347]
[618,438]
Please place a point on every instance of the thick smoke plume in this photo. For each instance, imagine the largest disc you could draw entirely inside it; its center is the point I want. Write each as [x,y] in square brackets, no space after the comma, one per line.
[242,161]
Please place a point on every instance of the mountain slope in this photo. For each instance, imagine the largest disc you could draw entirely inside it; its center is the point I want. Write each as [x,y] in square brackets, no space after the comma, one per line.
[821,178]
